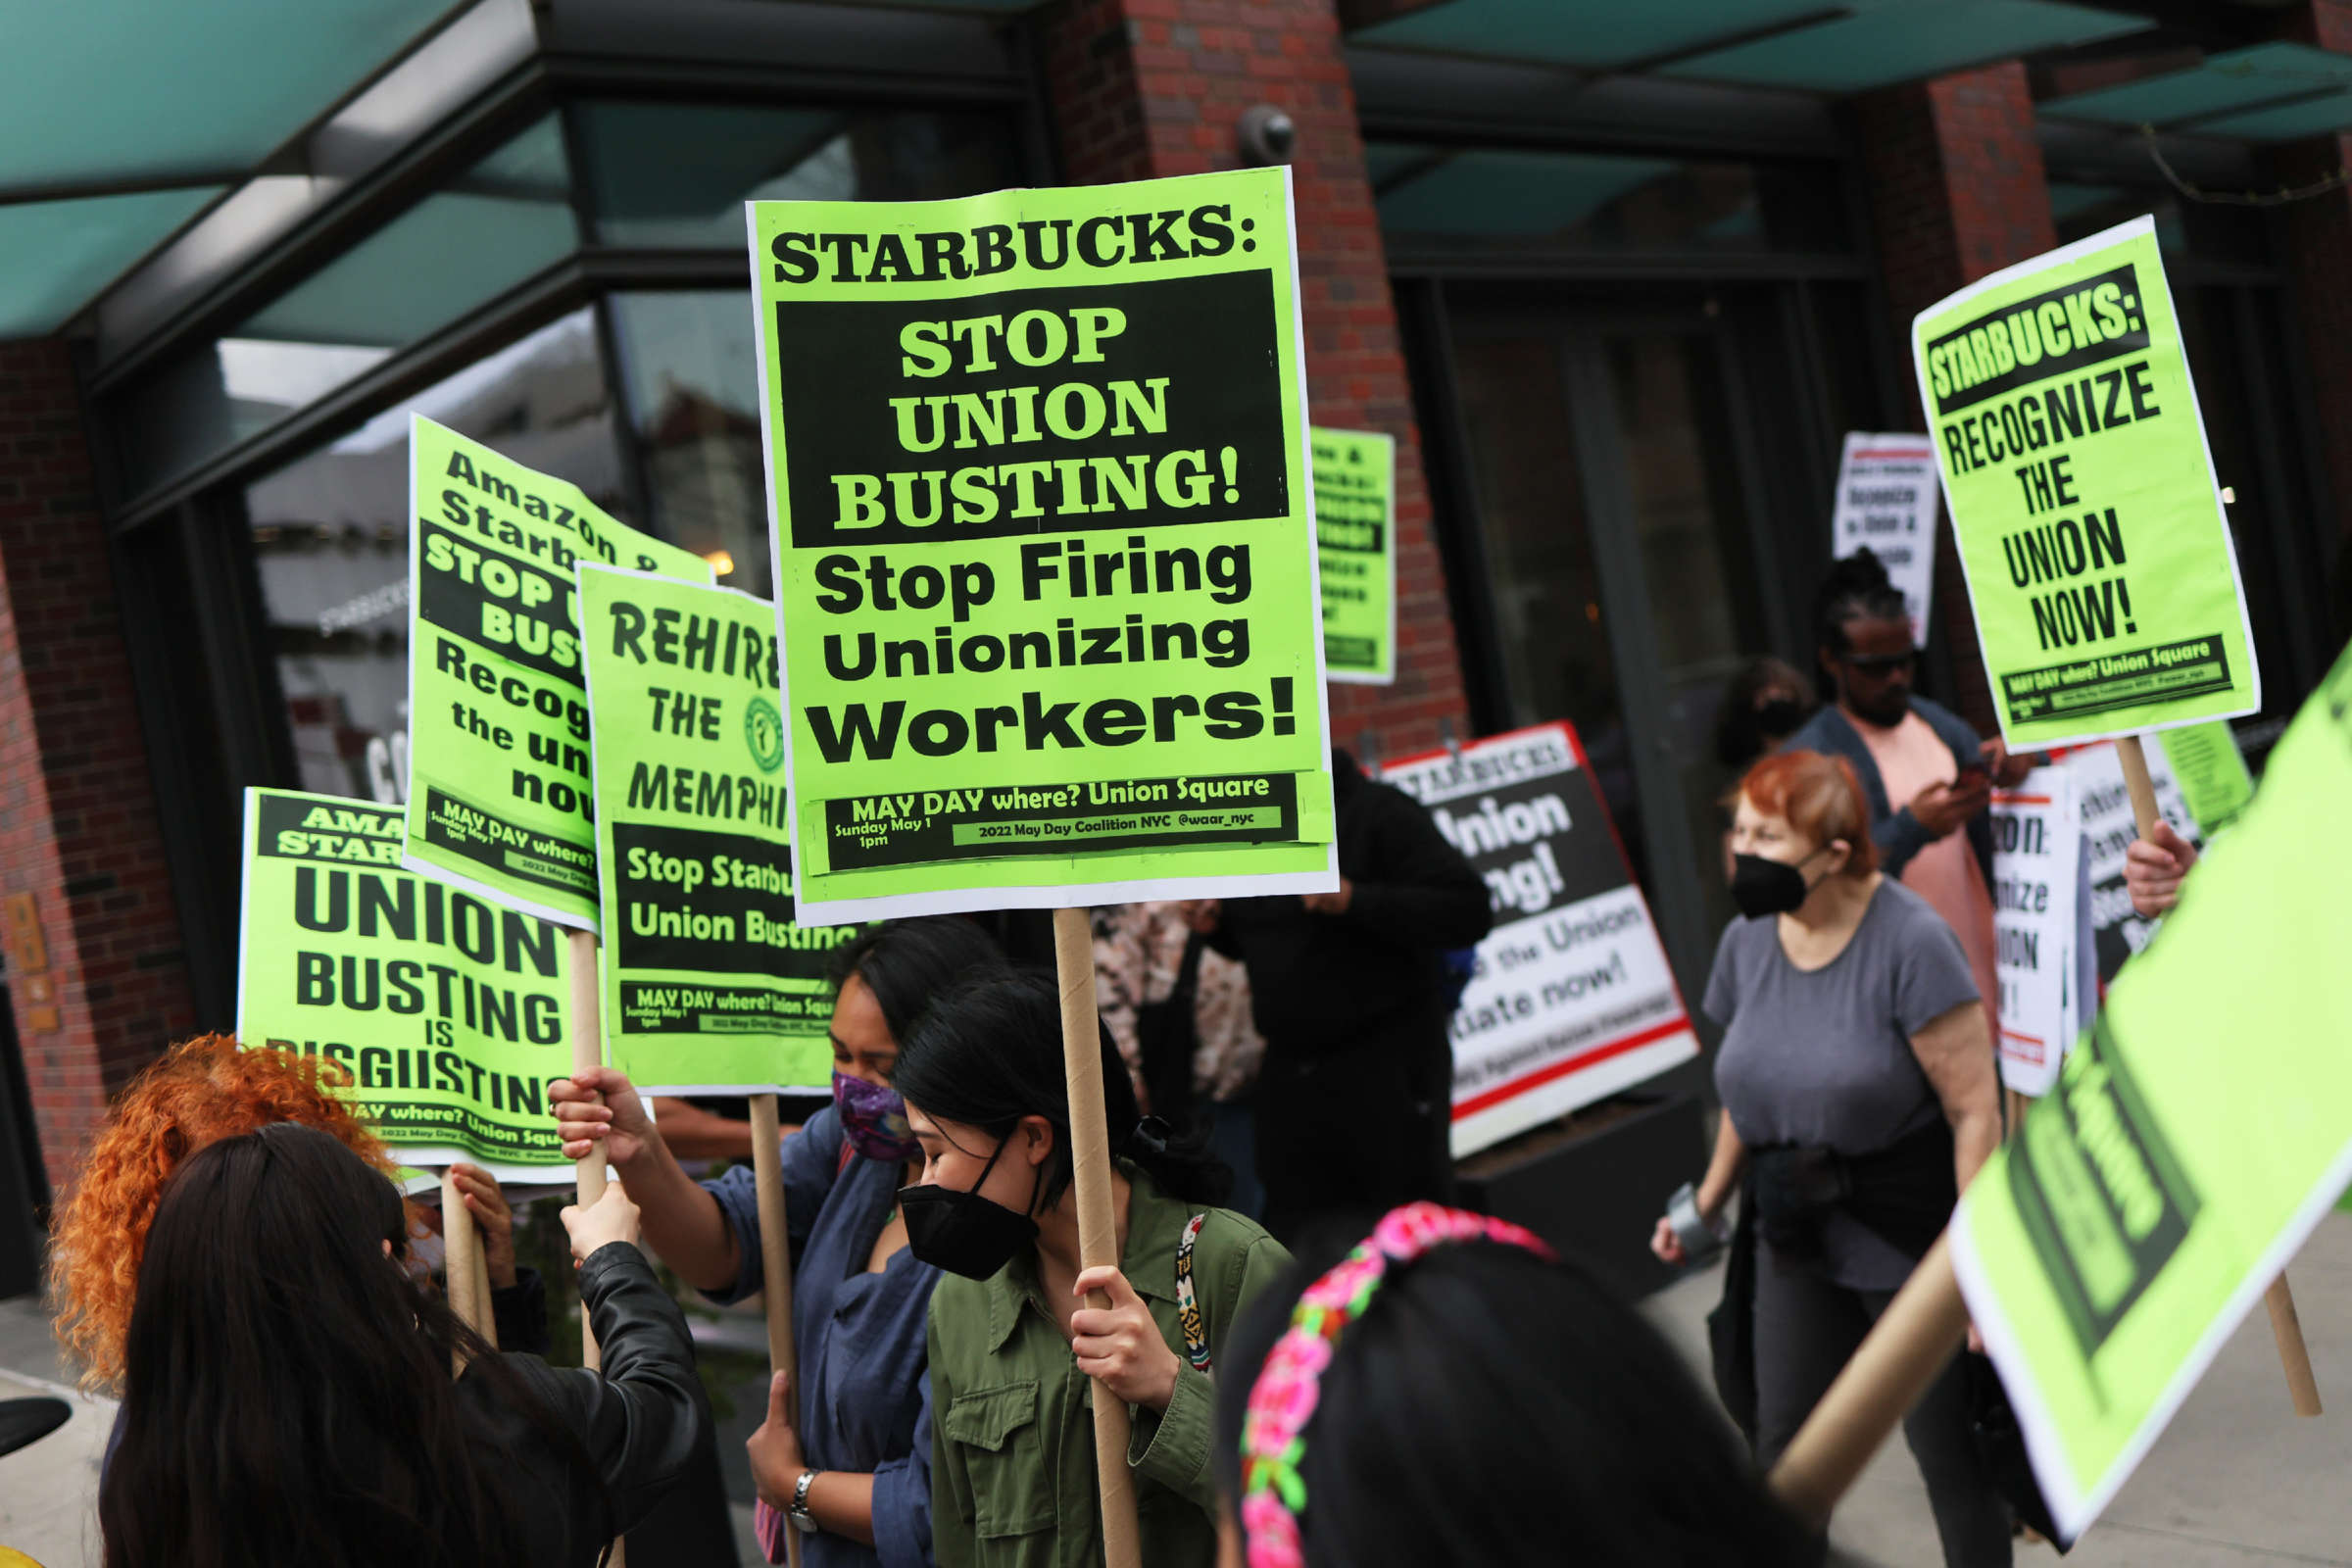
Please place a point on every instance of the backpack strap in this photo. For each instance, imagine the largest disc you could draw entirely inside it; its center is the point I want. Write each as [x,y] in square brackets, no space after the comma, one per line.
[1188,1304]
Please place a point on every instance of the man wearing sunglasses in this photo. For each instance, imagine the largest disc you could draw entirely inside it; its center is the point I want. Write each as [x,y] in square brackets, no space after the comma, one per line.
[1928,775]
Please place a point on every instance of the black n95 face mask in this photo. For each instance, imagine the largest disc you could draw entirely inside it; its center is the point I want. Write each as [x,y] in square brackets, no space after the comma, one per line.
[1762,887]
[962,1232]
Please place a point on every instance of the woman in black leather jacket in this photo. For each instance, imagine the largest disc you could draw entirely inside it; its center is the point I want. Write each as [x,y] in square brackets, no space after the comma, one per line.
[288,1396]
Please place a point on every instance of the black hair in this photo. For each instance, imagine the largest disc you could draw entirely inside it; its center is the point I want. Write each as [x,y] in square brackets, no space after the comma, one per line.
[1491,1406]
[287,1393]
[908,965]
[1855,588]
[990,1053]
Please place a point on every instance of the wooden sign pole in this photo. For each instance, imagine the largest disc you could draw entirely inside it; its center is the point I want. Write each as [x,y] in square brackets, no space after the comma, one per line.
[588,1050]
[775,1266]
[462,1266]
[2285,1327]
[1098,1227]
[1906,1351]
[485,1313]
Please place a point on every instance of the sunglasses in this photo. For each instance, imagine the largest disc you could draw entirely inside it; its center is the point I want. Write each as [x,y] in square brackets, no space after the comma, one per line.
[1879,663]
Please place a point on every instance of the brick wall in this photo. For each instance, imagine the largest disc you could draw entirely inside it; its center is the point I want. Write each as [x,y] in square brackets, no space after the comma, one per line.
[1956,190]
[78,818]
[1151,87]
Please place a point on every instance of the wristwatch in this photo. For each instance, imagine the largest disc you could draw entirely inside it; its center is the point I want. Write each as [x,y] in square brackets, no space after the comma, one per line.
[802,1519]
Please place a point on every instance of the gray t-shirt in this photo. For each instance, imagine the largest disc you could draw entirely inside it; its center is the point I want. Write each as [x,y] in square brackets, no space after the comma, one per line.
[1824,1056]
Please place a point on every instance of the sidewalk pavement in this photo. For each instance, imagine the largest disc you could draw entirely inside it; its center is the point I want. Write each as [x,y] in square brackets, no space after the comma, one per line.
[2236,1481]
[49,1492]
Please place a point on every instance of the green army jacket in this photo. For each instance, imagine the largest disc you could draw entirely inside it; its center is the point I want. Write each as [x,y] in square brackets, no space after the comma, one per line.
[1012,1467]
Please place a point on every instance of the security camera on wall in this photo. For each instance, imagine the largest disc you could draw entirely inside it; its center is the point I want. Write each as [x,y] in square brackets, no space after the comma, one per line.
[1266,134]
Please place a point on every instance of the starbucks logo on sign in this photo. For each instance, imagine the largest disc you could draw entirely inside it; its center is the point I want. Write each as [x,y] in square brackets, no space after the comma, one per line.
[764,731]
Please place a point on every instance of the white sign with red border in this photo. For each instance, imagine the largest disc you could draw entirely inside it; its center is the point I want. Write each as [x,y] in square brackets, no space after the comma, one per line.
[1572,998]
[1887,491]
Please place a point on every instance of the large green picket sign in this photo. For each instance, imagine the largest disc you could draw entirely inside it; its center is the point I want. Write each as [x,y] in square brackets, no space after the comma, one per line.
[708,986]
[1044,556]
[2111,1248]
[2082,497]
[450,1014]
[499,793]
[1356,539]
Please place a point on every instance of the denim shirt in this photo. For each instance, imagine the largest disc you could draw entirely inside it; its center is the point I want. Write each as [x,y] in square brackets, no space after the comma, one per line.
[865,1403]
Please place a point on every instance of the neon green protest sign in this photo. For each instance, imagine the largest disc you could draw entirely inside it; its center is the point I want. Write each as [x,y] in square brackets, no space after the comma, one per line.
[450,1014]
[1355,540]
[1043,548]
[2110,1250]
[500,799]
[2082,497]
[710,986]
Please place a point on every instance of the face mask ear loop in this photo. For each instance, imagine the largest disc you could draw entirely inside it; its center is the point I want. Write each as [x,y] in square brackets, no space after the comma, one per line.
[982,1178]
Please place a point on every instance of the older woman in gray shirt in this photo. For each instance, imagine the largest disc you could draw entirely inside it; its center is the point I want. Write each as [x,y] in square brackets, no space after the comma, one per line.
[1858,1086]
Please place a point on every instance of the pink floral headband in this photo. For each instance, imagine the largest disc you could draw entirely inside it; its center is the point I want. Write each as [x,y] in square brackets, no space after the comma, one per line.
[1288,1386]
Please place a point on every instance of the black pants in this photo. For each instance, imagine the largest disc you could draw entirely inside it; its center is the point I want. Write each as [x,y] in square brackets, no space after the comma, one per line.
[1806,1330]
[1346,1135]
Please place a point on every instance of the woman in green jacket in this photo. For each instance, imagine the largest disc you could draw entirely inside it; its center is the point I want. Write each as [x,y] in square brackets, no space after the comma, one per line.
[1013,1344]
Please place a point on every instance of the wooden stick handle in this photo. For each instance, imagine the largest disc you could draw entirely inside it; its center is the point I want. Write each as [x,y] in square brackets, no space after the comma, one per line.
[1097,1226]
[485,1321]
[2137,780]
[775,1264]
[1905,1351]
[2285,1328]
[588,1050]
[460,1260]
[2293,1355]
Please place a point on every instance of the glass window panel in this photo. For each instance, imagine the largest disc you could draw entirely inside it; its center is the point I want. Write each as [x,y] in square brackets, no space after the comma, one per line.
[1491,200]
[664,175]
[330,536]
[690,374]
[1551,627]
[504,220]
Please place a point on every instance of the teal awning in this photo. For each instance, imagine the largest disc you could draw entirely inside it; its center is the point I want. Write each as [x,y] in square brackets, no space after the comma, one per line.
[2271,92]
[1804,45]
[125,118]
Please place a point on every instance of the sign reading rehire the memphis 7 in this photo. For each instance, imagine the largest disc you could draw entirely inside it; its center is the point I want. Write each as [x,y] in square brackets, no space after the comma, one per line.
[499,794]
[450,1014]
[708,986]
[1572,998]
[2082,498]
[1356,539]
[1044,546]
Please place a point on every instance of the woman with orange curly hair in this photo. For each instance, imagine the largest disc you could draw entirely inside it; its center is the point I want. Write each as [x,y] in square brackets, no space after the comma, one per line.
[196,1094]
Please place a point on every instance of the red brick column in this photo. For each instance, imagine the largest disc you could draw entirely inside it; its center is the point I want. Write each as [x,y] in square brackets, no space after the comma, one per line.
[95,971]
[1154,88]
[1956,190]
[2319,263]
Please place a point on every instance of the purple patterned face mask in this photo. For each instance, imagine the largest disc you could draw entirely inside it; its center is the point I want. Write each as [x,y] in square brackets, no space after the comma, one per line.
[874,1119]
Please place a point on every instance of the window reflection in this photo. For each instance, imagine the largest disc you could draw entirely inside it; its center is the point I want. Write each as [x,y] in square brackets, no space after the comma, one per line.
[690,372]
[495,225]
[1491,199]
[662,176]
[330,536]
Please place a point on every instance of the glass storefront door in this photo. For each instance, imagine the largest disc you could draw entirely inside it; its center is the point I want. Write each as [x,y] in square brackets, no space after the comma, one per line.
[1617,494]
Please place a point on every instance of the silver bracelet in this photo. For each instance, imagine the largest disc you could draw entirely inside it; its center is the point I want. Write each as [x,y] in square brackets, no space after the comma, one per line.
[1701,1238]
